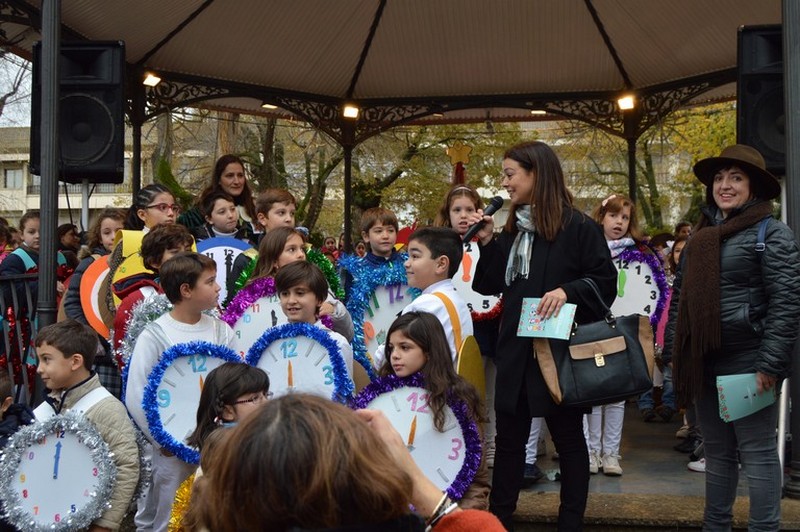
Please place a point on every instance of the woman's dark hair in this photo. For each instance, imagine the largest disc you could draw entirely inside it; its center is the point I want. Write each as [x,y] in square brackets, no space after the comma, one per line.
[245,199]
[224,385]
[550,198]
[441,380]
[304,462]
[143,198]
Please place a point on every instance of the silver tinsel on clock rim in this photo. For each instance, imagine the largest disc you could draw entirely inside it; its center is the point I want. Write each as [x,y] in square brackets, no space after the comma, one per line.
[145,464]
[102,457]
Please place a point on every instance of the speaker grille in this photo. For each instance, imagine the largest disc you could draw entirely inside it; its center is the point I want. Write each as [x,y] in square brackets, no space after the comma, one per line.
[87,129]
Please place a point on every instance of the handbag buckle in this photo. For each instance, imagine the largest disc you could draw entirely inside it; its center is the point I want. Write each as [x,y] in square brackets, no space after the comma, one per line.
[599,360]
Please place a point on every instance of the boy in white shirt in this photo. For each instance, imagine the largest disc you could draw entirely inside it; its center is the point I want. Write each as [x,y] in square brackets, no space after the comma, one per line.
[189,282]
[434,255]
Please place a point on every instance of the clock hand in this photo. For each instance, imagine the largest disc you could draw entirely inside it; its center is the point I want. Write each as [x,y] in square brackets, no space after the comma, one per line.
[623,277]
[201,384]
[412,434]
[57,460]
[290,378]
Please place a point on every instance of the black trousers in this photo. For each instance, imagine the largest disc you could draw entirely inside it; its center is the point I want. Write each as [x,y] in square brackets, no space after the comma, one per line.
[566,428]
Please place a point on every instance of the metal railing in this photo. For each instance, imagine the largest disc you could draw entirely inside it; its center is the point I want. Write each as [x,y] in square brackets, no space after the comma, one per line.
[19,326]
[102,188]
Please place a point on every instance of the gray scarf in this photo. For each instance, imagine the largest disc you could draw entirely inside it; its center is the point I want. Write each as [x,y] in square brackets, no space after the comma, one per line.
[520,257]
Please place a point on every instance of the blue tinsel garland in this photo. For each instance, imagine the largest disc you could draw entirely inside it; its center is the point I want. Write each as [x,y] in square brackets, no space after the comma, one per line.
[472,440]
[149,399]
[342,383]
[367,278]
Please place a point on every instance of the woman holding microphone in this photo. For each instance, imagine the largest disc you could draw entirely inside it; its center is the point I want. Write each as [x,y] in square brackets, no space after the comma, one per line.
[544,250]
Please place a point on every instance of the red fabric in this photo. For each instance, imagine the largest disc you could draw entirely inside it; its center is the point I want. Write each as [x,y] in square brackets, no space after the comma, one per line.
[134,295]
[469,521]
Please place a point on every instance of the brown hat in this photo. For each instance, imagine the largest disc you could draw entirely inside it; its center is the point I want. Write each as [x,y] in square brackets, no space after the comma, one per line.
[746,158]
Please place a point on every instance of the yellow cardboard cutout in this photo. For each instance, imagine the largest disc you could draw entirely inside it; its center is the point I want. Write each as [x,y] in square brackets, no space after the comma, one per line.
[470,366]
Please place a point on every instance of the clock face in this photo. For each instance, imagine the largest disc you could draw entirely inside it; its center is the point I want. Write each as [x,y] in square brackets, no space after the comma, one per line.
[638,286]
[440,455]
[298,364]
[173,393]
[300,357]
[385,305]
[263,314]
[54,478]
[223,251]
[478,303]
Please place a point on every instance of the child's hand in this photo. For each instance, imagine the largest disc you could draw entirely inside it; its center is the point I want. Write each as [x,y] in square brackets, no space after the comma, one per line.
[59,287]
[326,309]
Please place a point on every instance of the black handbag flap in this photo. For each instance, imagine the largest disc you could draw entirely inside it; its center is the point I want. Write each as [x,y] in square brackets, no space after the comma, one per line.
[605,347]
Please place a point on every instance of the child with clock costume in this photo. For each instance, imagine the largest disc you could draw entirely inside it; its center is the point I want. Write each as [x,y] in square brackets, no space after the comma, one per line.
[160,244]
[221,219]
[617,216]
[461,202]
[189,282]
[545,250]
[231,393]
[302,289]
[417,343]
[279,247]
[66,352]
[274,207]
[434,255]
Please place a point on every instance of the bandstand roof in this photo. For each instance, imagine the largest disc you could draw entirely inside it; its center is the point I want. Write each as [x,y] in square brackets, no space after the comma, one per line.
[416,60]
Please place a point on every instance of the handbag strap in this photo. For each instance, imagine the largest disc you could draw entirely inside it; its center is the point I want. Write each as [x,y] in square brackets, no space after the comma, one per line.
[596,291]
[547,365]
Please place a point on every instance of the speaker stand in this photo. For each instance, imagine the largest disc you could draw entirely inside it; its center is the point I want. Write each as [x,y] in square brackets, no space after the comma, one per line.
[85,205]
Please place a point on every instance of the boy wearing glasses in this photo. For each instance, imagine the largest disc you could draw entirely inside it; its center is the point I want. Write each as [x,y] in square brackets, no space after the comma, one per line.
[189,280]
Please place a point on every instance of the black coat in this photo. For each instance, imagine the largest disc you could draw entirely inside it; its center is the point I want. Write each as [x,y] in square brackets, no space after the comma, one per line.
[759,304]
[579,251]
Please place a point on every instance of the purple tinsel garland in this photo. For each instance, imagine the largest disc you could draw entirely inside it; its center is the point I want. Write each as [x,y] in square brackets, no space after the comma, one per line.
[263,287]
[659,276]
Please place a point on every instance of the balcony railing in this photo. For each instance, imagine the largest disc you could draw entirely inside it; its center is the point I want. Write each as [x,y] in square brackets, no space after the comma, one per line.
[103,188]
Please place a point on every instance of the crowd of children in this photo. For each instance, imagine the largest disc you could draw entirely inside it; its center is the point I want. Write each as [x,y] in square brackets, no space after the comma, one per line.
[149,254]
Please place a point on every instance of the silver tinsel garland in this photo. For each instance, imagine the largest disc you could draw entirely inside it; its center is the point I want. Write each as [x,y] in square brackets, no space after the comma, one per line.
[102,457]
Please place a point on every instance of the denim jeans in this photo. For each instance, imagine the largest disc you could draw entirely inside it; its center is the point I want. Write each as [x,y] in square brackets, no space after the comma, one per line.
[667,397]
[755,438]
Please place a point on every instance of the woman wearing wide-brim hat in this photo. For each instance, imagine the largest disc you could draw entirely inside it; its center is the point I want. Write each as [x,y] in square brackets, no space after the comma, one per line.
[735,309]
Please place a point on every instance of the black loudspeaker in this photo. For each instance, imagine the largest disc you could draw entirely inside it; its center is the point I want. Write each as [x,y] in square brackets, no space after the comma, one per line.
[760,119]
[92,112]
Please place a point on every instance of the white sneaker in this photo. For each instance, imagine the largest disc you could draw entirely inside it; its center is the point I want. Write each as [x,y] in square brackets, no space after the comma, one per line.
[698,465]
[489,453]
[594,462]
[610,465]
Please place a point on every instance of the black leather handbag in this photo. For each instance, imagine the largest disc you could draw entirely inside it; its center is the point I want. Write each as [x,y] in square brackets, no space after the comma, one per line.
[602,362]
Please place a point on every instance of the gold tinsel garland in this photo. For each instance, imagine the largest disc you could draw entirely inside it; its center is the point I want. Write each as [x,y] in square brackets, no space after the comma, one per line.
[181,504]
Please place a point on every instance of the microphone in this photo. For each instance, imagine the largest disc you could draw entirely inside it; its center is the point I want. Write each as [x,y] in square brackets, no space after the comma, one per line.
[492,208]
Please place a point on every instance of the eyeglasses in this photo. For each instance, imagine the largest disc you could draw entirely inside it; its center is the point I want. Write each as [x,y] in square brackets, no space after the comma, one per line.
[260,398]
[164,207]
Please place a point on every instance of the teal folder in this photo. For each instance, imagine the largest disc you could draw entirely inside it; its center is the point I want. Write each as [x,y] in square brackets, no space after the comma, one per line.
[531,324]
[738,397]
